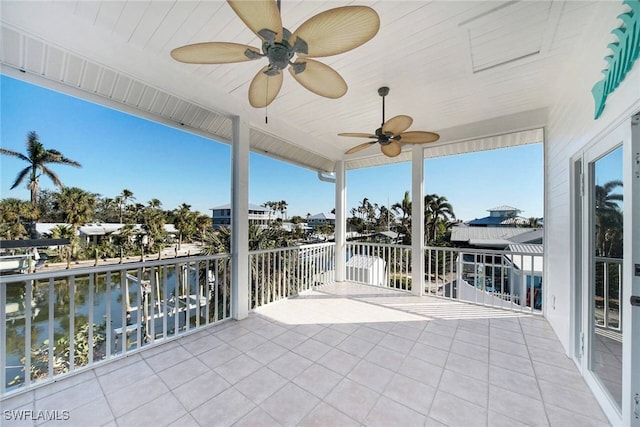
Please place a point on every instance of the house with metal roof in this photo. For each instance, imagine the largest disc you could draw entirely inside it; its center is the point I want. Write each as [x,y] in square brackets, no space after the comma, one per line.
[492,236]
[324,218]
[501,216]
[258,215]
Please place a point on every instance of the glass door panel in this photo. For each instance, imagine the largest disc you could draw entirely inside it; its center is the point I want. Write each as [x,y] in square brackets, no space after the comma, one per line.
[606,261]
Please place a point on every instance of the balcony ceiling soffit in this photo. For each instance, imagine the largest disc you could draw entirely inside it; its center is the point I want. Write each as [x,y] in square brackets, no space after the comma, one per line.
[462,69]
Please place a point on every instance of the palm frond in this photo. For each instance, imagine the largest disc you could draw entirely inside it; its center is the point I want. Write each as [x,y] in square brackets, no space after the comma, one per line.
[14,154]
[52,175]
[20,177]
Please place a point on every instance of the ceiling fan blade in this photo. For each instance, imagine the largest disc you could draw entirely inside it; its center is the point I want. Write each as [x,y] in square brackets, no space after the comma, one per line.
[320,79]
[337,30]
[397,125]
[213,53]
[358,135]
[359,147]
[264,89]
[392,149]
[417,137]
[259,15]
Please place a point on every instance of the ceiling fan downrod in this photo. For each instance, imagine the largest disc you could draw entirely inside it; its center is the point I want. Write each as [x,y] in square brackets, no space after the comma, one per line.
[383,91]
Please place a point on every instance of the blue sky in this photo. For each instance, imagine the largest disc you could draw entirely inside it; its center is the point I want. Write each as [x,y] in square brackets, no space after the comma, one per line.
[119,151]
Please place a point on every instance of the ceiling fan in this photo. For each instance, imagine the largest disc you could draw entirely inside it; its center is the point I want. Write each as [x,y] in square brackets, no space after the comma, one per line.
[328,33]
[391,134]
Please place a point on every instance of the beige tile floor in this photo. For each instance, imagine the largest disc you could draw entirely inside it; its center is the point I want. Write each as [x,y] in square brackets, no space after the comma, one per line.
[346,355]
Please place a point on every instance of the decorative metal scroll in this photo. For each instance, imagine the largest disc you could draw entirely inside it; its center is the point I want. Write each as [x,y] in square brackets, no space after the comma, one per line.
[624,53]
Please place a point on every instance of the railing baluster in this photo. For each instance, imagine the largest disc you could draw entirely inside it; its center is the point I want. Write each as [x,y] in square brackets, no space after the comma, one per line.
[224,292]
[72,324]
[108,323]
[50,327]
[27,331]
[216,311]
[207,292]
[91,290]
[606,294]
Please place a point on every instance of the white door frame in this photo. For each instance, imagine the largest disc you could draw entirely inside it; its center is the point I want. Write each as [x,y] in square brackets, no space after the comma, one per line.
[619,136]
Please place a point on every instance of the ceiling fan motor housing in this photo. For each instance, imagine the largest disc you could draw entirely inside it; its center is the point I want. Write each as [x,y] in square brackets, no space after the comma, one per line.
[383,138]
[280,53]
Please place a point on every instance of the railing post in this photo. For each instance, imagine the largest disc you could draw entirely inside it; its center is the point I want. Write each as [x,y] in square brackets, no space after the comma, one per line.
[240,219]
[340,233]
[460,267]
[417,222]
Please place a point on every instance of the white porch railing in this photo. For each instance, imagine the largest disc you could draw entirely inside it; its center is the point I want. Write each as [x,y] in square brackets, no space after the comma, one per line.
[503,279]
[379,264]
[58,322]
[281,273]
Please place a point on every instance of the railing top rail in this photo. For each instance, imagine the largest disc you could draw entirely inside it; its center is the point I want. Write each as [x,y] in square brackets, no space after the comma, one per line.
[107,268]
[450,249]
[291,248]
[384,245]
[482,251]
[609,259]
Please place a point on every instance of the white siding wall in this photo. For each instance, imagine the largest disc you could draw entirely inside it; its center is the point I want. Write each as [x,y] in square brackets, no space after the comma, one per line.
[571,129]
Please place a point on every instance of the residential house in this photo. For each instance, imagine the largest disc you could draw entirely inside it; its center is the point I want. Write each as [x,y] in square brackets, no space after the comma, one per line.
[322,219]
[258,215]
[501,216]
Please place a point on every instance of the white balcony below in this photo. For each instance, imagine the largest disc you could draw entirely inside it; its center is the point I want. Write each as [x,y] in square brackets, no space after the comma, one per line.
[340,355]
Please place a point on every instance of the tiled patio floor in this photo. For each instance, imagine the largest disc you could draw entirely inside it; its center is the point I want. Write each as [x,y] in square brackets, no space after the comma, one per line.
[346,355]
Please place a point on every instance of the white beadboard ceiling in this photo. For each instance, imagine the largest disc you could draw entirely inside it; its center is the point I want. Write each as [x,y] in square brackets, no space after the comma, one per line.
[483,74]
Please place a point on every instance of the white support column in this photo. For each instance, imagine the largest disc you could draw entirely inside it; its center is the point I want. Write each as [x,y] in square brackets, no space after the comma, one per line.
[341,221]
[240,219]
[417,220]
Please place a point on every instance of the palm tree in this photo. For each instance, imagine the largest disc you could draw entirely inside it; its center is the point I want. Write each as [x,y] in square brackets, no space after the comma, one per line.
[385,218]
[63,232]
[77,206]
[438,215]
[404,209]
[533,222]
[185,222]
[273,207]
[13,214]
[203,223]
[38,157]
[608,219]
[123,199]
[282,207]
[153,220]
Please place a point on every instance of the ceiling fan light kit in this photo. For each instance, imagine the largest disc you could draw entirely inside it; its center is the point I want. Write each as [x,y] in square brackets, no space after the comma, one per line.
[331,32]
[391,134]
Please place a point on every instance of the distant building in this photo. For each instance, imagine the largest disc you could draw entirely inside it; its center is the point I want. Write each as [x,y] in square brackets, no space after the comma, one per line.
[499,237]
[500,229]
[258,215]
[388,237]
[95,233]
[321,219]
[501,216]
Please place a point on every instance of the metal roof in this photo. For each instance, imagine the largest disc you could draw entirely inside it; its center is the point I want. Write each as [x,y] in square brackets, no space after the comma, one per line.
[504,208]
[252,207]
[323,215]
[482,74]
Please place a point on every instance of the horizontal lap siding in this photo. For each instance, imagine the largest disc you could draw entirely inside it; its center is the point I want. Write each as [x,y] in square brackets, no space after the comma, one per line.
[571,129]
